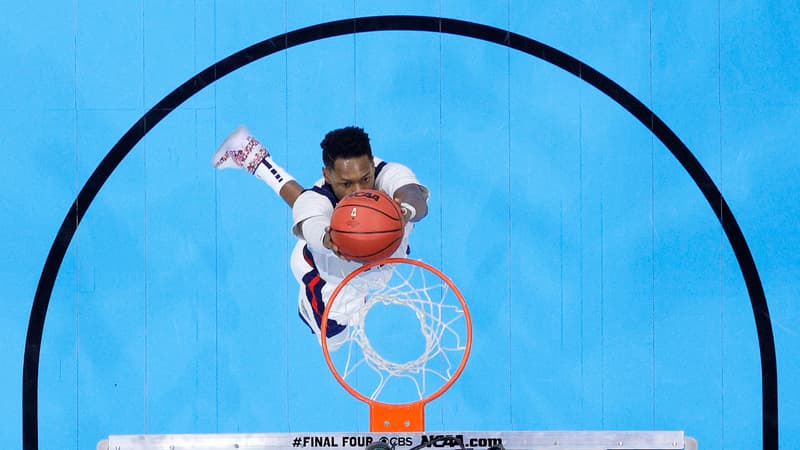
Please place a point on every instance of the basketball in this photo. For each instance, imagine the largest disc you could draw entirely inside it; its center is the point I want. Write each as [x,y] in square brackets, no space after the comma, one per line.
[366,226]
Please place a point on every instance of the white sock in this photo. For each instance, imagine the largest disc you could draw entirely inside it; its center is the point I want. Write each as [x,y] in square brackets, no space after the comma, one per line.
[274,175]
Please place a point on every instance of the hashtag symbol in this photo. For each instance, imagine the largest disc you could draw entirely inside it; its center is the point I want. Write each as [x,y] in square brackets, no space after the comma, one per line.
[297,442]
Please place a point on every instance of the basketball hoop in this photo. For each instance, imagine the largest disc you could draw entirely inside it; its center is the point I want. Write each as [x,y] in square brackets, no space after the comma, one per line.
[444,324]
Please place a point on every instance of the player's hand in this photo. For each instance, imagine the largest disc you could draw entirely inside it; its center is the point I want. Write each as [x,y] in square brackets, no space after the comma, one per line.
[413,201]
[327,242]
[404,210]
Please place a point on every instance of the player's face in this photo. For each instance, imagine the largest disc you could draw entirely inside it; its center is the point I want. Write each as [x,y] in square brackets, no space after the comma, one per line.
[350,175]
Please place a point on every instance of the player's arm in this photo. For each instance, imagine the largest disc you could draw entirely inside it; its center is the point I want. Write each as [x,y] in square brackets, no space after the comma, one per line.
[312,217]
[413,201]
[401,183]
[290,191]
[316,232]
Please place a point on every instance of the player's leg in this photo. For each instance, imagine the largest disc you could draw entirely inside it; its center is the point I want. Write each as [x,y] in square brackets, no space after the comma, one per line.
[311,298]
[300,267]
[242,150]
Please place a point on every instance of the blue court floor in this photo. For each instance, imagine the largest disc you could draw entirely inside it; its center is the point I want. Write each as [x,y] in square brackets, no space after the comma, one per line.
[617,201]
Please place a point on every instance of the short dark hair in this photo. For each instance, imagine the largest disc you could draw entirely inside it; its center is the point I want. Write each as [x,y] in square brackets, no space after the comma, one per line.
[347,142]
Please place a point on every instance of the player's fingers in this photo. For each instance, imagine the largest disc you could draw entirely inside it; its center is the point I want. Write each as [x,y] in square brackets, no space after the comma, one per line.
[327,242]
[406,210]
[335,249]
[336,252]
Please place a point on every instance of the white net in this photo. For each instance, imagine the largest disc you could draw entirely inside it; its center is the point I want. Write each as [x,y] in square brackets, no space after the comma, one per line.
[407,336]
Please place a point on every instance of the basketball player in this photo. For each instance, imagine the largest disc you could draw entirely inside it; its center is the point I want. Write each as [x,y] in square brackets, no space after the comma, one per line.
[348,166]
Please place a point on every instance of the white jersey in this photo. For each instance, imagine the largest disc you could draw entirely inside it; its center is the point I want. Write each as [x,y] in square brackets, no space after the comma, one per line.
[317,269]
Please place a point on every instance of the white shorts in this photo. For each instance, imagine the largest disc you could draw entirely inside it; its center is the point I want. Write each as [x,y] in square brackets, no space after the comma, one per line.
[313,295]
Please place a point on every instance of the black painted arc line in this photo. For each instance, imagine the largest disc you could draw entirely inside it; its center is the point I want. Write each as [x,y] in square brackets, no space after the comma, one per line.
[401,23]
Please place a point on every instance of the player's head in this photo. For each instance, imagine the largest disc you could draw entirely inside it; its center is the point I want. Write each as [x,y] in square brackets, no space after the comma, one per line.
[347,156]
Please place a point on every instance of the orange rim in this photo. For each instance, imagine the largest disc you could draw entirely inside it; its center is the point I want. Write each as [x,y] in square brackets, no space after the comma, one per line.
[385,416]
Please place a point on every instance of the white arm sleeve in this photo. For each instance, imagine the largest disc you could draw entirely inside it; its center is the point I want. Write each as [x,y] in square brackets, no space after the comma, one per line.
[314,232]
[310,205]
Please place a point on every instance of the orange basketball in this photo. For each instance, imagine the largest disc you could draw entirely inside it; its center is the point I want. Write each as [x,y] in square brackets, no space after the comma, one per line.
[367,226]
